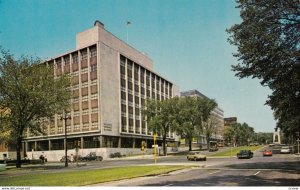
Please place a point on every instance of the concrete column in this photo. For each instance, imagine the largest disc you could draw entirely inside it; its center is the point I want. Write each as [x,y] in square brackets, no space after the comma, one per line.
[35,146]
[133,143]
[81,142]
[101,139]
[49,144]
[119,142]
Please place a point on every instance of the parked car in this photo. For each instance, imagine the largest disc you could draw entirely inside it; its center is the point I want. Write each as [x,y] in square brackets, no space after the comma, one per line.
[244,154]
[92,157]
[285,150]
[267,153]
[196,156]
[63,159]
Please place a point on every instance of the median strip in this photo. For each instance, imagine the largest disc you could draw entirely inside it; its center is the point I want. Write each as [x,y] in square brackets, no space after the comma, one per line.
[86,177]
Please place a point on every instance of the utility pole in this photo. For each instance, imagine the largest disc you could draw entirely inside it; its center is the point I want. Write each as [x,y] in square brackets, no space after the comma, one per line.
[65,117]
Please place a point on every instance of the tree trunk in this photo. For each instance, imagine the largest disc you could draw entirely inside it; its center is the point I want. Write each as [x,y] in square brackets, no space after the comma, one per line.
[207,140]
[18,151]
[164,144]
[190,144]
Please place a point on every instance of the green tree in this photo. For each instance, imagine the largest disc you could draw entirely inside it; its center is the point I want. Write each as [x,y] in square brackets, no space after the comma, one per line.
[161,117]
[268,42]
[245,134]
[239,134]
[210,127]
[230,134]
[31,94]
[193,111]
[263,138]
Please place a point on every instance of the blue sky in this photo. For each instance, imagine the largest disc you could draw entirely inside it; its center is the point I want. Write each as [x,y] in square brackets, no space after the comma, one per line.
[186,40]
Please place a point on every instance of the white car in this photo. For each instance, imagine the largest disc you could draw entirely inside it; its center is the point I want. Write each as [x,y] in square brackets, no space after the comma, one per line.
[285,150]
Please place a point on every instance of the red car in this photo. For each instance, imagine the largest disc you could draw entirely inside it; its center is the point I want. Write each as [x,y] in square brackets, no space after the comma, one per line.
[267,153]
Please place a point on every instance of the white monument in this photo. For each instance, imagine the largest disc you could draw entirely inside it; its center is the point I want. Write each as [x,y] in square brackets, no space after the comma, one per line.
[276,136]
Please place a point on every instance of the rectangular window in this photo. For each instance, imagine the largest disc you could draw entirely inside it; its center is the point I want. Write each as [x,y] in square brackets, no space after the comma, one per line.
[122,70]
[137,111]
[122,59]
[130,98]
[58,63]
[85,127]
[123,95]
[95,110]
[93,51]
[75,58]
[76,114]
[93,68]
[84,98]
[67,60]
[123,108]
[94,82]
[68,128]
[76,127]
[60,129]
[83,54]
[84,70]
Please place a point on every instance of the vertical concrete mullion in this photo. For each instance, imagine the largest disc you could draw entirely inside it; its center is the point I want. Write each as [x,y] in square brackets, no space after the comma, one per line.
[119,142]
[49,144]
[126,92]
[133,96]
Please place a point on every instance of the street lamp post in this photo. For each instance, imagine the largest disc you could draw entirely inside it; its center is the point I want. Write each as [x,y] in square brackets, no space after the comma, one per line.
[65,117]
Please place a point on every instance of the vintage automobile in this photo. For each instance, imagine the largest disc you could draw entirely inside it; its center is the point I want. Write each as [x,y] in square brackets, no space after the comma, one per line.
[244,154]
[267,153]
[92,157]
[196,156]
[285,150]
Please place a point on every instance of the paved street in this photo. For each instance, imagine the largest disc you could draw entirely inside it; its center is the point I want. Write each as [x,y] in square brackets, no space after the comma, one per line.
[278,170]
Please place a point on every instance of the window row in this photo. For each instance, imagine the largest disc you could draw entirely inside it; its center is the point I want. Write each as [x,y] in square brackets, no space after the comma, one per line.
[85,92]
[74,128]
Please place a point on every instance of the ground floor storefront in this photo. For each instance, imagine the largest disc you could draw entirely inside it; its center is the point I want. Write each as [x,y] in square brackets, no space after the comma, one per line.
[54,148]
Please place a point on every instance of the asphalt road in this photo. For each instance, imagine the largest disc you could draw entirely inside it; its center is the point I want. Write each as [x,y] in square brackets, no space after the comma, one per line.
[278,170]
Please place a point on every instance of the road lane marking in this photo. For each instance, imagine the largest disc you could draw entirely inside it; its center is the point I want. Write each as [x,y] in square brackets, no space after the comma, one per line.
[257,173]
[214,172]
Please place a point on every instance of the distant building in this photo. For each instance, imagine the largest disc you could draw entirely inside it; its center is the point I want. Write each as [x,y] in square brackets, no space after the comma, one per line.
[110,82]
[230,121]
[218,112]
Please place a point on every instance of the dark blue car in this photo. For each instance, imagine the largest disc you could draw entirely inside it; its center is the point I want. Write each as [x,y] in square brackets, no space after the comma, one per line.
[245,154]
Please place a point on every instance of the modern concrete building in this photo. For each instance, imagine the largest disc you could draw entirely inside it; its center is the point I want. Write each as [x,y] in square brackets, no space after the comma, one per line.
[110,82]
[217,112]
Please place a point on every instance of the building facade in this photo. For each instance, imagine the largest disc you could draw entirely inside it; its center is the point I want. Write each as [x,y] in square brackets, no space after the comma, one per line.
[110,82]
[219,115]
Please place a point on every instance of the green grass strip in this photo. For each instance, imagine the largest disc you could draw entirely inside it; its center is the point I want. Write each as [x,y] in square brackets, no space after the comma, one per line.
[234,150]
[85,177]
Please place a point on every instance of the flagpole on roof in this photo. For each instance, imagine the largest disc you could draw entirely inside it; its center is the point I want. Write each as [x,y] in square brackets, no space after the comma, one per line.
[127,25]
